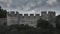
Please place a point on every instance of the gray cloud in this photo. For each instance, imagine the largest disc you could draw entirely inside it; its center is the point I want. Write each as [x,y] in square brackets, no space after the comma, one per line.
[30,5]
[5,3]
[24,5]
[52,2]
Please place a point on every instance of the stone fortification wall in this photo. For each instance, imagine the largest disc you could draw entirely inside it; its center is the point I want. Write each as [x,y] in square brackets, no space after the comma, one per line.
[16,18]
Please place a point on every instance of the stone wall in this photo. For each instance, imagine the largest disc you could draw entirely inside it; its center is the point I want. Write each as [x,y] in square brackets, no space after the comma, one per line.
[3,20]
[49,16]
[31,20]
[14,18]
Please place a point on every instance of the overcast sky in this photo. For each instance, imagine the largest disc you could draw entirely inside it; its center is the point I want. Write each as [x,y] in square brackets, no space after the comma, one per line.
[31,6]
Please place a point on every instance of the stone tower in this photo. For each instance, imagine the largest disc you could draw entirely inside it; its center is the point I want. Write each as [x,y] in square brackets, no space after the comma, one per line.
[12,18]
[44,15]
[52,17]
[49,16]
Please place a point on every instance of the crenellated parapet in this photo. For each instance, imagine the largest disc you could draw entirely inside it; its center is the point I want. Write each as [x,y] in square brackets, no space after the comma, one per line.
[48,15]
[31,19]
[53,13]
[31,14]
[25,14]
[44,14]
[12,13]
[20,14]
[37,14]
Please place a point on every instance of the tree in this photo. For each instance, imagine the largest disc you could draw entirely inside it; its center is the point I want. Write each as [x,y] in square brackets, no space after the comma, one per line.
[3,13]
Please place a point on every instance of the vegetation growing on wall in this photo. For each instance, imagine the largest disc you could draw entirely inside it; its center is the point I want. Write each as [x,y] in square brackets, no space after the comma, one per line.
[3,13]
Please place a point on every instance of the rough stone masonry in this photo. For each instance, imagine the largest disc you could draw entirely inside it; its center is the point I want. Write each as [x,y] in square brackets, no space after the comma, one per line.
[16,18]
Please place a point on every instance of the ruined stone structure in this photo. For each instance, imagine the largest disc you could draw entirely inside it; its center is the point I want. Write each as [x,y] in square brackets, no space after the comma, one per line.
[49,16]
[16,18]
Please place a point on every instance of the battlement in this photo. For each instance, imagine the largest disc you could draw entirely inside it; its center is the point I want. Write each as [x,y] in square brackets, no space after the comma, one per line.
[13,12]
[25,14]
[31,14]
[17,13]
[31,19]
[43,13]
[49,13]
[20,14]
[52,13]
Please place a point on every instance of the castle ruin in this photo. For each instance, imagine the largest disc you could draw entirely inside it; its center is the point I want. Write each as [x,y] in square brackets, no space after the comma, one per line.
[16,18]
